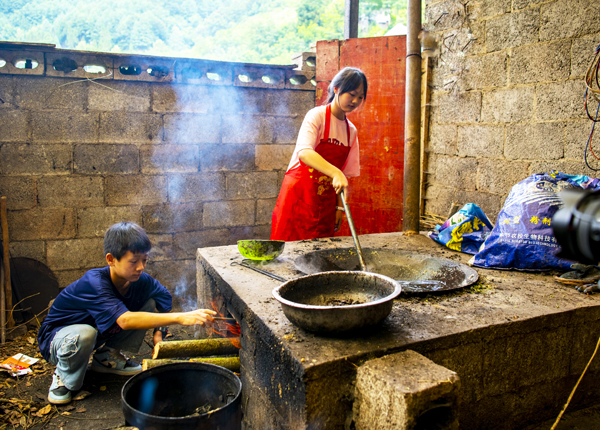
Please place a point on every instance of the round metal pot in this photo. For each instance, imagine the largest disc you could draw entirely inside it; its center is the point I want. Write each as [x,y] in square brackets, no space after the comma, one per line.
[176,397]
[257,249]
[323,303]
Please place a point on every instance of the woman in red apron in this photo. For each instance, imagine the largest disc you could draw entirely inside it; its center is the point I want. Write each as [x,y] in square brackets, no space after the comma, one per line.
[309,205]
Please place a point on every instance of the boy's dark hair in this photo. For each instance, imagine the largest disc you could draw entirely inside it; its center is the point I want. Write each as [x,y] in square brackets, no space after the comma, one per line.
[347,79]
[125,236]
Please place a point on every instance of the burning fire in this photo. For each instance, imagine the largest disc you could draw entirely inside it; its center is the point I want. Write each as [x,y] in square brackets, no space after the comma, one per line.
[225,329]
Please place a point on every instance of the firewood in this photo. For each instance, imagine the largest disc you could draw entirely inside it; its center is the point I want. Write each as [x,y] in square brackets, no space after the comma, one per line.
[195,348]
[231,363]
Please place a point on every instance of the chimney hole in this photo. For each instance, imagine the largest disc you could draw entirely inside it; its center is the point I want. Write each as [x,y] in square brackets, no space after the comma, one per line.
[245,78]
[27,63]
[269,79]
[2,62]
[311,61]
[313,82]
[94,68]
[130,70]
[298,80]
[158,71]
[213,76]
[64,65]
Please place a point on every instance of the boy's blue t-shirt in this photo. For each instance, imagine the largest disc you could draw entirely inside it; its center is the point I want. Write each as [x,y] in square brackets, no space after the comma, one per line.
[94,300]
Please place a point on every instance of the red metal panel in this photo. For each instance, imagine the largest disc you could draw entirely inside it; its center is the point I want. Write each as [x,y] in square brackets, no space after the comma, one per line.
[375,198]
[328,59]
[328,64]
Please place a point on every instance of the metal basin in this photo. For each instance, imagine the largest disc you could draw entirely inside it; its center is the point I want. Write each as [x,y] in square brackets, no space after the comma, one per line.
[168,397]
[337,302]
[256,249]
[417,273]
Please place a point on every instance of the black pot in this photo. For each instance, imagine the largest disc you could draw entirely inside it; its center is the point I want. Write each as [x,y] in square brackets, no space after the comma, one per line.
[168,397]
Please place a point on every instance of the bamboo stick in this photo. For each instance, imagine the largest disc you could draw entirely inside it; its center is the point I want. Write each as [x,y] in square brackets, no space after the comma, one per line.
[195,348]
[231,363]
[6,261]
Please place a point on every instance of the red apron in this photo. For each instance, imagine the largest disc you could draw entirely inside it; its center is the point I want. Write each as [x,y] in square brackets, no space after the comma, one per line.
[305,208]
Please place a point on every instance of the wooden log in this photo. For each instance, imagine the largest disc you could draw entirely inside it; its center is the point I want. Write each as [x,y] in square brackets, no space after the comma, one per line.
[231,363]
[195,348]
[2,308]
[10,322]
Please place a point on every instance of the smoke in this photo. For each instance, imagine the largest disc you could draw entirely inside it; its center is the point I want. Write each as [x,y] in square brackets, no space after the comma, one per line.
[209,138]
[185,295]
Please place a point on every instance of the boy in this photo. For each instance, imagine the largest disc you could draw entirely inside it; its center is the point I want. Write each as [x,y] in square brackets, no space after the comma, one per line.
[108,310]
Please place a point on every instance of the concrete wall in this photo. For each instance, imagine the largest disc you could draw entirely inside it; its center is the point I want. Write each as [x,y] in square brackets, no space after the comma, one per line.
[507,96]
[196,162]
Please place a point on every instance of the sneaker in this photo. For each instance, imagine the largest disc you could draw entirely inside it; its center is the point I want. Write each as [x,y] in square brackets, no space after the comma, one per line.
[112,361]
[58,393]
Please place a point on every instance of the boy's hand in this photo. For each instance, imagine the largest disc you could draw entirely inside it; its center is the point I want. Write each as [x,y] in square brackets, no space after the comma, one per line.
[197,317]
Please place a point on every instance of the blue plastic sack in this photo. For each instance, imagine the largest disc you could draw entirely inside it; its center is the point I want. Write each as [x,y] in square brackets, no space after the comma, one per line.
[522,237]
[464,231]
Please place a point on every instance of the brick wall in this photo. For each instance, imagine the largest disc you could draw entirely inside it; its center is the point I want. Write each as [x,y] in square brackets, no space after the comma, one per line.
[507,96]
[196,162]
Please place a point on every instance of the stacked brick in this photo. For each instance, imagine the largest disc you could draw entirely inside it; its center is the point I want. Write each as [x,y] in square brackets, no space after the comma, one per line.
[196,163]
[507,97]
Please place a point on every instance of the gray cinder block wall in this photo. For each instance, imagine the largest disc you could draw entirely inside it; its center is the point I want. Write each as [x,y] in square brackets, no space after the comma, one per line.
[196,161]
[507,96]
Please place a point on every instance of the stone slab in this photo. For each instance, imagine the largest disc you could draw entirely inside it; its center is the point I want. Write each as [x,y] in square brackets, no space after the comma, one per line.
[397,391]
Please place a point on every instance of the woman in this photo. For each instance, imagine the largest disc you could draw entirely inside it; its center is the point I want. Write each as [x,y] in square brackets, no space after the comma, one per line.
[326,154]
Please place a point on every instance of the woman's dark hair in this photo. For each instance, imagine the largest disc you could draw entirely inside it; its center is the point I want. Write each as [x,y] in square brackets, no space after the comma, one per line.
[126,236]
[347,79]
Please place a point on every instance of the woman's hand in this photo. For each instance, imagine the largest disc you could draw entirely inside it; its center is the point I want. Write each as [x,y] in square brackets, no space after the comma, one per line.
[339,182]
[197,317]
[313,159]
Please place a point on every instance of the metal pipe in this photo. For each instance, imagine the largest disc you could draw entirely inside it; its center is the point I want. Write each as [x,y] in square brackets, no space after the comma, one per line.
[361,260]
[256,269]
[351,19]
[412,122]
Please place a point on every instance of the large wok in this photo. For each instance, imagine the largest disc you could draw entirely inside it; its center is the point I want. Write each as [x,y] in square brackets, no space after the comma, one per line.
[417,273]
[337,302]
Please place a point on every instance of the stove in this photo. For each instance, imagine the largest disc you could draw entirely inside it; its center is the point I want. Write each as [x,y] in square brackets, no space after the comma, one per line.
[512,345]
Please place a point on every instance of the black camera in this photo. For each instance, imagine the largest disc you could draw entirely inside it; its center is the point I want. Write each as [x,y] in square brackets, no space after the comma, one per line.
[576,226]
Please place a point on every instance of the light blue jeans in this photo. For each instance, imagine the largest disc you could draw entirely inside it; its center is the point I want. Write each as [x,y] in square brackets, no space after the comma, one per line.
[73,345]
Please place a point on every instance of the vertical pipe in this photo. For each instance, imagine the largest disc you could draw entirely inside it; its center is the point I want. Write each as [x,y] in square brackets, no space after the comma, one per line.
[351,19]
[412,121]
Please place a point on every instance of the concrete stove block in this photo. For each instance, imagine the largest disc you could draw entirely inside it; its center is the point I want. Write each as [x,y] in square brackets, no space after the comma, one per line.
[405,391]
[518,341]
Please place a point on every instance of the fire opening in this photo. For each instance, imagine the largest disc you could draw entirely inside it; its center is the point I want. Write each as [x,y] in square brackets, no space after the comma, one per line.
[223,328]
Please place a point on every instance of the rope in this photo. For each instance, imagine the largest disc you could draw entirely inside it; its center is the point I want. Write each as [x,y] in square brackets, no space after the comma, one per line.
[575,388]
[592,83]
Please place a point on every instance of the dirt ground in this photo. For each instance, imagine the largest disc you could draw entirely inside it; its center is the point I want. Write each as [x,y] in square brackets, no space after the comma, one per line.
[97,406]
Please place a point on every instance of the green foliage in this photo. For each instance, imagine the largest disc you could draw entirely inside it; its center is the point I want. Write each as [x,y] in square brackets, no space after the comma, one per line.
[257,31]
